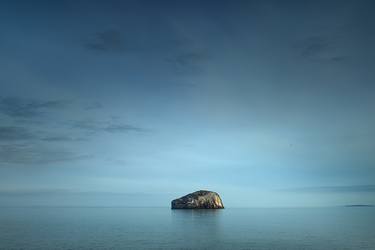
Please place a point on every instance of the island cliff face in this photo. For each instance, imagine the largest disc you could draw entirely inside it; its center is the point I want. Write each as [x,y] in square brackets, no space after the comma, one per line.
[198,200]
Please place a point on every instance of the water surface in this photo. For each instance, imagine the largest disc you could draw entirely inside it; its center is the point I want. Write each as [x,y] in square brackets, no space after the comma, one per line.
[162,228]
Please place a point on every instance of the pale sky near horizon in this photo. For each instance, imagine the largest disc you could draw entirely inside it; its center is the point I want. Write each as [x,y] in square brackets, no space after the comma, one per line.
[134,103]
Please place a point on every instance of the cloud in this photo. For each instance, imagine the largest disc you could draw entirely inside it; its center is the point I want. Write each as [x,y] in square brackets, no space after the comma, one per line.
[10,133]
[61,191]
[312,46]
[318,48]
[110,127]
[95,105]
[26,154]
[122,128]
[333,189]
[25,108]
[16,133]
[25,143]
[62,138]
[21,192]
[189,61]
[189,58]
[20,145]
[107,41]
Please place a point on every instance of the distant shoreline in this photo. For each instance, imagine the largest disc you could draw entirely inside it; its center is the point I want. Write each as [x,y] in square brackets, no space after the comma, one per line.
[359,205]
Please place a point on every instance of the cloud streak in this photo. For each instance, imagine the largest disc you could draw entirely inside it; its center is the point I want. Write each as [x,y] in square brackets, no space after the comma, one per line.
[26,154]
[11,133]
[333,189]
[23,108]
[62,138]
[22,142]
[318,48]
[189,58]
[107,41]
[110,127]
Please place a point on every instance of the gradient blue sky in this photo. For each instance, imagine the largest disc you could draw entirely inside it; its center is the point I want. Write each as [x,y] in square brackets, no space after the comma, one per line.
[134,103]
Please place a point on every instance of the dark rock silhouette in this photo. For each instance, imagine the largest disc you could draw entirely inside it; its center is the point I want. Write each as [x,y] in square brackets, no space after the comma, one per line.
[198,200]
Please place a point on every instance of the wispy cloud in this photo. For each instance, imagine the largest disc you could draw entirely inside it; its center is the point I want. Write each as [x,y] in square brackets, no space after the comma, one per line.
[333,189]
[62,138]
[9,134]
[65,191]
[26,154]
[110,127]
[95,105]
[189,58]
[318,48]
[122,128]
[14,133]
[45,191]
[188,61]
[25,108]
[107,41]
[313,46]
[23,142]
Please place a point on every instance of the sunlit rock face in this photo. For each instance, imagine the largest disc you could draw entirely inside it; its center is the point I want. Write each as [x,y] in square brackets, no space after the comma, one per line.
[198,200]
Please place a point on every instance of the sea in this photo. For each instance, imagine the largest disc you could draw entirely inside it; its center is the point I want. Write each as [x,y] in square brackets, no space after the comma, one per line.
[163,228]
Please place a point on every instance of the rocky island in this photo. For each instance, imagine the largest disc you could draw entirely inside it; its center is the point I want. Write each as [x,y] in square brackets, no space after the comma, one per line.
[198,200]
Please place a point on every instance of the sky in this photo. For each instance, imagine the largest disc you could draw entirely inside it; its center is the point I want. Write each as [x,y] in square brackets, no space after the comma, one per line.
[135,103]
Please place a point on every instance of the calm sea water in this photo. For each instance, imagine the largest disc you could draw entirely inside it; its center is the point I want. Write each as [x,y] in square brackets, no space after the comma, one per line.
[162,228]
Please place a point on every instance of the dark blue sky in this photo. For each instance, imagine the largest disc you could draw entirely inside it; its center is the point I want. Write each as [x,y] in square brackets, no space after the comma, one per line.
[269,103]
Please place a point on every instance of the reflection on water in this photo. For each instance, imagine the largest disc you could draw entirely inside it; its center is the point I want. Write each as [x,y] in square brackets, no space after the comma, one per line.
[201,224]
[163,228]
[196,214]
